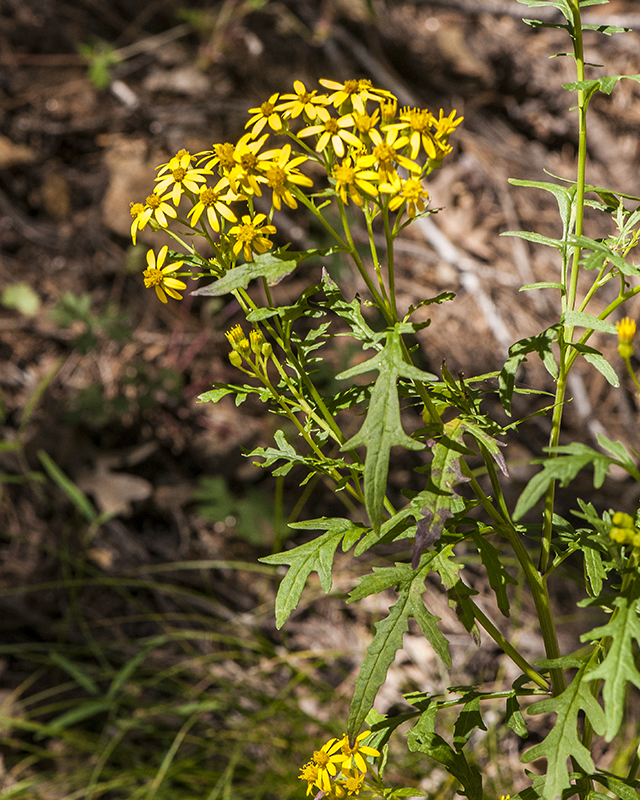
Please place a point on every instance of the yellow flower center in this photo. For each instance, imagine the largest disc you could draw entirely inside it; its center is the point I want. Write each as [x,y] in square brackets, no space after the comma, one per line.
[412,190]
[248,162]
[225,154]
[266,109]
[364,122]
[153,201]
[136,208]
[364,84]
[384,154]
[419,121]
[351,87]
[344,174]
[247,232]
[179,174]
[152,277]
[209,196]
[321,758]
[276,176]
[331,125]
[305,97]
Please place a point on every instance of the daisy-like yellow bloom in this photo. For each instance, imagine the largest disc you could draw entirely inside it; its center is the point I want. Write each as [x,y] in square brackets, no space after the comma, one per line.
[216,203]
[220,155]
[415,126]
[354,756]
[309,773]
[351,179]
[365,124]
[444,126]
[179,155]
[356,91]
[325,761]
[159,276]
[409,191]
[245,176]
[301,101]
[154,206]
[179,175]
[353,780]
[626,331]
[332,130]
[386,157]
[250,236]
[266,113]
[281,172]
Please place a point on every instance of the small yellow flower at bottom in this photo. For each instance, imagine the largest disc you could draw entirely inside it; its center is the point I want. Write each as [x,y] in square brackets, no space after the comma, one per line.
[353,756]
[160,277]
[626,331]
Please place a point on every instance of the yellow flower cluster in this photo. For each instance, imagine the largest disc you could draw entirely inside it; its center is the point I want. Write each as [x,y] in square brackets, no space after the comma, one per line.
[624,531]
[338,769]
[370,150]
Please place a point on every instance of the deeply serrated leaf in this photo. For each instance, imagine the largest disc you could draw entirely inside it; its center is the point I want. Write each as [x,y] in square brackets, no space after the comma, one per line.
[423,739]
[563,468]
[619,665]
[389,633]
[382,428]
[468,720]
[563,741]
[315,556]
[518,352]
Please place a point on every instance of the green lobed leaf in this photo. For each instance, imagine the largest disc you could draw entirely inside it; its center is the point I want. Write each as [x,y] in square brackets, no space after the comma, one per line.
[468,720]
[348,311]
[564,467]
[389,632]
[619,665]
[541,344]
[563,741]
[271,266]
[423,739]
[382,428]
[514,718]
[315,556]
[624,789]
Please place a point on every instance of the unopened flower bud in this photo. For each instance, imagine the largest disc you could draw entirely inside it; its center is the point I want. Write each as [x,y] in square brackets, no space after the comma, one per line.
[621,520]
[235,358]
[256,340]
[266,349]
[626,331]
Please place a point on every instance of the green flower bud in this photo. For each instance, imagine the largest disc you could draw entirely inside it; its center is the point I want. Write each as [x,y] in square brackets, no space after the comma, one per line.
[235,358]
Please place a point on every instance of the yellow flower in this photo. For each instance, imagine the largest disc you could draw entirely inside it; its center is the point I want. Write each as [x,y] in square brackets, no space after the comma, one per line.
[357,92]
[220,155]
[354,756]
[250,236]
[266,113]
[215,202]
[409,191]
[325,761]
[245,176]
[238,340]
[309,773]
[281,172]
[444,126]
[350,179]
[301,101]
[154,206]
[415,125]
[353,780]
[385,156]
[159,276]
[180,177]
[626,331]
[332,130]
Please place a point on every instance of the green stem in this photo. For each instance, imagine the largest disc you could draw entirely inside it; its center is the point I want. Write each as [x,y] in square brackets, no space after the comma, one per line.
[507,647]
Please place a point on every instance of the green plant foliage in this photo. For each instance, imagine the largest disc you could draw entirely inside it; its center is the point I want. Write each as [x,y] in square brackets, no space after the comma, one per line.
[563,742]
[618,667]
